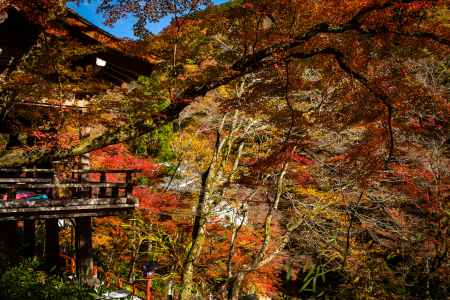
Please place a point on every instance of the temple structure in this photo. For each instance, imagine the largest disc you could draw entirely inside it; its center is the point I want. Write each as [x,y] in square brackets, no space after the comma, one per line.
[44,193]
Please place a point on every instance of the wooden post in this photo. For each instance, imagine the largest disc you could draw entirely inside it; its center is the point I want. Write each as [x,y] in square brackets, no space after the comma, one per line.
[52,244]
[115,192]
[148,283]
[83,236]
[79,180]
[85,164]
[128,184]
[56,190]
[12,193]
[102,189]
[8,238]
[29,233]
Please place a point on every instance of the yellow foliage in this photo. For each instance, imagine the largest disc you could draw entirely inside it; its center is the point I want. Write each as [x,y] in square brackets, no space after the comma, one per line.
[326,197]
[225,91]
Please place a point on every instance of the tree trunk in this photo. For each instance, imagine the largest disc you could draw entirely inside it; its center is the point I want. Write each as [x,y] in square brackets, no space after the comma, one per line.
[188,272]
[261,257]
[198,238]
[235,287]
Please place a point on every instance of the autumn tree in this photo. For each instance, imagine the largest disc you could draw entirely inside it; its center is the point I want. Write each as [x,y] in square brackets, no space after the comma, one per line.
[352,21]
[358,88]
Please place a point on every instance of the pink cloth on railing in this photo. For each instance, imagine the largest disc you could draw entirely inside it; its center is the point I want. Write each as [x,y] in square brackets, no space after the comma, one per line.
[20,196]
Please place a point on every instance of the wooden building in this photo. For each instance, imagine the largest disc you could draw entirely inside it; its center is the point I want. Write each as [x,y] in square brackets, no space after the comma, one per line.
[37,192]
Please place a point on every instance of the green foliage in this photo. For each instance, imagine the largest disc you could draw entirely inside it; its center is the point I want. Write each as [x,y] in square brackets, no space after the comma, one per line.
[156,144]
[163,137]
[157,98]
[26,281]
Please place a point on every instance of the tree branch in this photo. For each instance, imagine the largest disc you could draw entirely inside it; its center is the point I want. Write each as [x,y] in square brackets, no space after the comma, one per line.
[247,64]
[341,60]
[252,62]
[30,156]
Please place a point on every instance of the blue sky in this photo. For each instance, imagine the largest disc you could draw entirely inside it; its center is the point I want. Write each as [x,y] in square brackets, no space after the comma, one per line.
[124,27]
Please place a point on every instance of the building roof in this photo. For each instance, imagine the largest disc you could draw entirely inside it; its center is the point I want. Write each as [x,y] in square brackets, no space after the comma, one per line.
[125,59]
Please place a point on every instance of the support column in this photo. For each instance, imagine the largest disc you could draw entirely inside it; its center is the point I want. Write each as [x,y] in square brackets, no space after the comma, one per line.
[29,234]
[8,241]
[83,238]
[52,244]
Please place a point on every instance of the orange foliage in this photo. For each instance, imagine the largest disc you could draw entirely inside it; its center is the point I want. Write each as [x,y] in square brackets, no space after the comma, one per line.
[156,202]
[119,157]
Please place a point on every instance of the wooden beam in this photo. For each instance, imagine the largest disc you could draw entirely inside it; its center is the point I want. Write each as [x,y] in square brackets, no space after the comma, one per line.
[61,185]
[80,203]
[123,212]
[25,180]
[20,170]
[44,212]
[107,171]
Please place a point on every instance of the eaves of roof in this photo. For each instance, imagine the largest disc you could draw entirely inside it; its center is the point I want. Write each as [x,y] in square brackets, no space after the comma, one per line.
[73,22]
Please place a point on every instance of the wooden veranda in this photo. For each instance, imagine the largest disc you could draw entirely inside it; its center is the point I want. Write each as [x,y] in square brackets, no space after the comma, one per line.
[31,194]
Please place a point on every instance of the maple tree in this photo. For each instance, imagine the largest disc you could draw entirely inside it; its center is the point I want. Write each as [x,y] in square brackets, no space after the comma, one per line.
[353,96]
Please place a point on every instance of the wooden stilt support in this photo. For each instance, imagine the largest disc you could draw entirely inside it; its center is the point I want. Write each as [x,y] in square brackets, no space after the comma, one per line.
[29,233]
[83,238]
[8,239]
[52,244]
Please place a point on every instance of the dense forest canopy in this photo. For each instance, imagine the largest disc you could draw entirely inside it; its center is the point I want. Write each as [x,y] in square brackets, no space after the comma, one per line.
[322,126]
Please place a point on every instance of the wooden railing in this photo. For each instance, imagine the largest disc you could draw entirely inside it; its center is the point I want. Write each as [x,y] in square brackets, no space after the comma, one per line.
[78,185]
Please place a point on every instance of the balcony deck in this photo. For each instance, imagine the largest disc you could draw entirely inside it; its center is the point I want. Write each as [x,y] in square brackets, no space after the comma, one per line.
[39,194]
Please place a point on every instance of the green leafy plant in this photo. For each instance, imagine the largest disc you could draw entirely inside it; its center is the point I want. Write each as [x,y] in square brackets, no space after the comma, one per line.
[27,281]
